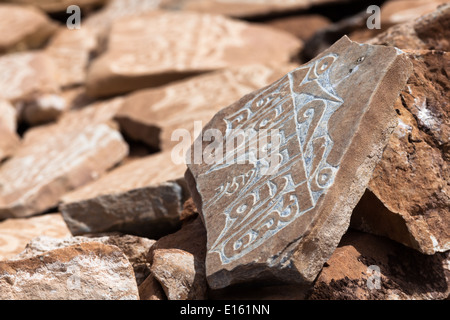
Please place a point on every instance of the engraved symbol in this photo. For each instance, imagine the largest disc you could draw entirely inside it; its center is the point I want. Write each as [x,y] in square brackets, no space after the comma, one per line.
[300,105]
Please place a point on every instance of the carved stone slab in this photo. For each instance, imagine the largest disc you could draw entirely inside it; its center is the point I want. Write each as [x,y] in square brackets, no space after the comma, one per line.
[334,116]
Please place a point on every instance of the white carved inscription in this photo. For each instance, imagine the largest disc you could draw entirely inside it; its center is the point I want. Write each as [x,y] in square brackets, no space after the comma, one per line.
[258,206]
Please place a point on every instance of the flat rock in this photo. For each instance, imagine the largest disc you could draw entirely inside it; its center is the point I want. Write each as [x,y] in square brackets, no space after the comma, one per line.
[134,248]
[23,28]
[70,51]
[16,233]
[26,75]
[431,31]
[53,160]
[87,271]
[333,117]
[214,42]
[53,6]
[395,273]
[143,116]
[246,8]
[143,197]
[409,196]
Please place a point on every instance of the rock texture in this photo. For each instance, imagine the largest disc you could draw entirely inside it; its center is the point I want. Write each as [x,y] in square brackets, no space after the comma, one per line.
[88,271]
[60,5]
[395,273]
[302,26]
[409,194]
[23,28]
[178,262]
[9,140]
[143,197]
[53,160]
[134,248]
[143,114]
[215,42]
[150,289]
[291,191]
[16,233]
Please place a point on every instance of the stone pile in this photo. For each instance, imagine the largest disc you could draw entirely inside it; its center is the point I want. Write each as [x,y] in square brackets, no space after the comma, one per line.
[211,149]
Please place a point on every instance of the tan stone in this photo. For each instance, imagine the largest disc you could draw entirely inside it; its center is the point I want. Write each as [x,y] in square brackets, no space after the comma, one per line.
[70,51]
[53,6]
[367,267]
[9,140]
[143,197]
[244,8]
[279,213]
[152,49]
[26,75]
[150,289]
[134,248]
[55,159]
[16,233]
[87,271]
[144,115]
[409,196]
[23,28]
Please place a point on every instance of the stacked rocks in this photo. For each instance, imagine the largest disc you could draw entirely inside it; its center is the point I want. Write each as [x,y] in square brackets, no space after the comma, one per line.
[181,150]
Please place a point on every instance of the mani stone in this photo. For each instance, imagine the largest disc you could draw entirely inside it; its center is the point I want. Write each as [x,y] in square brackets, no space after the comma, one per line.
[144,114]
[279,218]
[86,271]
[16,233]
[408,199]
[143,197]
[182,44]
[53,160]
[23,28]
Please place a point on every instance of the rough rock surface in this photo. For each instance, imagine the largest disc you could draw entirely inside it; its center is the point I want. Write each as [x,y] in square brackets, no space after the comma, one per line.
[143,114]
[87,271]
[150,289]
[9,140]
[134,248]
[409,194]
[23,28]
[329,143]
[215,42]
[53,160]
[143,197]
[395,272]
[178,262]
[16,233]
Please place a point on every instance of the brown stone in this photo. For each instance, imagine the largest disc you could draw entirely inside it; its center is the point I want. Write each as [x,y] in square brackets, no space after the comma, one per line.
[143,197]
[23,28]
[181,274]
[302,26]
[16,233]
[26,75]
[53,160]
[143,116]
[246,8]
[87,271]
[431,31]
[150,289]
[333,117]
[409,196]
[53,6]
[70,51]
[214,42]
[367,267]
[134,248]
